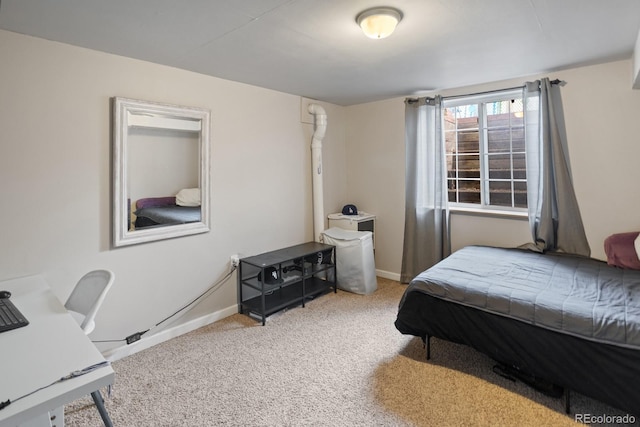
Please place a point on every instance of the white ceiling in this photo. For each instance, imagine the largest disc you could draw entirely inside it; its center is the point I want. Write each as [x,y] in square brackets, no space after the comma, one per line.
[314,48]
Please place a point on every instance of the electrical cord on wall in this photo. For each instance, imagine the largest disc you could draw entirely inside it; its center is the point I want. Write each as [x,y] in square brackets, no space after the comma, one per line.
[136,336]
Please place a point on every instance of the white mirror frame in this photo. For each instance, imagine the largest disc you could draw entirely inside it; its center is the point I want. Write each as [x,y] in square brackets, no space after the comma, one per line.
[155,115]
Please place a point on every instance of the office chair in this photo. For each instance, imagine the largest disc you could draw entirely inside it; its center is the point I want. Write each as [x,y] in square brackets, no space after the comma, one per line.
[83,304]
[87,297]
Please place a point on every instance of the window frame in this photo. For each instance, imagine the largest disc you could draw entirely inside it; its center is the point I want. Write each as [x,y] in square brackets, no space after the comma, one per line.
[481,100]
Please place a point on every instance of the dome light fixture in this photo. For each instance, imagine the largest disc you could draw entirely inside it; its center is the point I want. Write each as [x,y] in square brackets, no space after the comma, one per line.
[379,22]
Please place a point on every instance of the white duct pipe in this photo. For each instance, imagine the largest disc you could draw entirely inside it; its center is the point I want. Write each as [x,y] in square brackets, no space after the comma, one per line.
[320,127]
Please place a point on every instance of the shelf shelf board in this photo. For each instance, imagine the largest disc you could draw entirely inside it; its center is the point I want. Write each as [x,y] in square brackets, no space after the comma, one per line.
[287,296]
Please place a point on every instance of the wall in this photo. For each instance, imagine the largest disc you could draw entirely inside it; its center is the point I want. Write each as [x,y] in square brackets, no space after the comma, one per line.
[160,164]
[375,177]
[55,180]
[600,108]
[635,76]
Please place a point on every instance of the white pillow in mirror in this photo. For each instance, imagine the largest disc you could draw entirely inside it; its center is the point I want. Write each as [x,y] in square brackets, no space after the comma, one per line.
[636,244]
[188,197]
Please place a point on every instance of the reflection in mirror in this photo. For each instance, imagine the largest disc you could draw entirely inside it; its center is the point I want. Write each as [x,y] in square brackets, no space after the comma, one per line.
[161,171]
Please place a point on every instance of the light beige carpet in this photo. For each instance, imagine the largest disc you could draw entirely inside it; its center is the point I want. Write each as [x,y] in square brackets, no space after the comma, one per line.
[337,362]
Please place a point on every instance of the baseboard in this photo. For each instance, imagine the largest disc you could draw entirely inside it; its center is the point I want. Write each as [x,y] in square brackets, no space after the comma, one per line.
[167,334]
[388,275]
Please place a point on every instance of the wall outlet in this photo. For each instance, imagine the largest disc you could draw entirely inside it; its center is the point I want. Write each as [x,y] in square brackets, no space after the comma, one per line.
[235,260]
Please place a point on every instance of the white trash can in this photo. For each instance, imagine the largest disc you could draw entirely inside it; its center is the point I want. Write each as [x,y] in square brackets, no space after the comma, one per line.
[355,264]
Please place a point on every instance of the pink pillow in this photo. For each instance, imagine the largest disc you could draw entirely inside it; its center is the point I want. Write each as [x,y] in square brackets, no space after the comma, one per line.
[621,251]
[154,202]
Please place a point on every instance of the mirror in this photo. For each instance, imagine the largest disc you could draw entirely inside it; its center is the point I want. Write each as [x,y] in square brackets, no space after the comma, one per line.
[160,171]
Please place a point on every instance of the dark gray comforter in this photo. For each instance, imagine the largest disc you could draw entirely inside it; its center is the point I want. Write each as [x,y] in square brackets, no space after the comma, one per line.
[573,295]
[171,214]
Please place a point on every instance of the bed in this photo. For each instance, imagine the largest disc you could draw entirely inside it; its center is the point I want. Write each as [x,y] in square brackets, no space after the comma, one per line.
[162,211]
[566,321]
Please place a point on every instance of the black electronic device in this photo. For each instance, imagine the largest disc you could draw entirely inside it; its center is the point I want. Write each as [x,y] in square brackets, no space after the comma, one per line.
[10,316]
[271,276]
[5,294]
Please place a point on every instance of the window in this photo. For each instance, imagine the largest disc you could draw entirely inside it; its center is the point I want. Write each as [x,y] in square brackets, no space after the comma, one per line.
[485,151]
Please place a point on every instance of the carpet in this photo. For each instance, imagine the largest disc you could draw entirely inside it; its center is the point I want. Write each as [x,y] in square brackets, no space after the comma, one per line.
[339,361]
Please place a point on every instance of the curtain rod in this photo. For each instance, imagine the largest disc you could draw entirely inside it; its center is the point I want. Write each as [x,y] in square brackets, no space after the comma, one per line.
[553,82]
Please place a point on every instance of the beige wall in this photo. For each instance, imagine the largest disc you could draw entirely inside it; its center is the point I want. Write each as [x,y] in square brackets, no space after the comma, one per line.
[55,179]
[375,176]
[601,110]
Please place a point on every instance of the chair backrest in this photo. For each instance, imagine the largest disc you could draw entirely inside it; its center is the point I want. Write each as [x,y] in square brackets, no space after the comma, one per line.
[88,295]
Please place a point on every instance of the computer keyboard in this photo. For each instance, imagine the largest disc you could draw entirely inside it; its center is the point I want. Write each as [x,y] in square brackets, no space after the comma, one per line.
[10,316]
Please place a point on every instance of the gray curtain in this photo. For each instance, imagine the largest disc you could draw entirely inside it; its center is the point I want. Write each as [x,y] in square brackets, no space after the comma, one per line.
[426,226]
[554,217]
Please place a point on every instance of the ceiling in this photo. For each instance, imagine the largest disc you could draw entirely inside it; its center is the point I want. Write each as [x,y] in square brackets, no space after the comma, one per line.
[314,48]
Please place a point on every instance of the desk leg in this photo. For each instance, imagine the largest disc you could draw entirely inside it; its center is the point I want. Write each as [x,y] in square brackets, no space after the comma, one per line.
[99,401]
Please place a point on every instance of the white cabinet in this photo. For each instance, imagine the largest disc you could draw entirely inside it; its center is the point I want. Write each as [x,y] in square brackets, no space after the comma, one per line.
[361,222]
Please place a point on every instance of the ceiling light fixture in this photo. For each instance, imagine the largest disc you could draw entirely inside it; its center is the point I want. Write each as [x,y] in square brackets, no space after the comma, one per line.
[379,22]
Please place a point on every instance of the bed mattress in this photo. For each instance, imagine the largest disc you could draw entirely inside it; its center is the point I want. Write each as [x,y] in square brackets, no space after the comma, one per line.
[167,215]
[571,321]
[573,295]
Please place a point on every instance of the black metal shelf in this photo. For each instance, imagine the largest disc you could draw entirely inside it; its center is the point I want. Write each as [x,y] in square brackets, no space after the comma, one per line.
[304,272]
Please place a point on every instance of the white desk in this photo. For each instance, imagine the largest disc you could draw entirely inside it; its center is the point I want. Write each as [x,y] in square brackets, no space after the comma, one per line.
[50,347]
